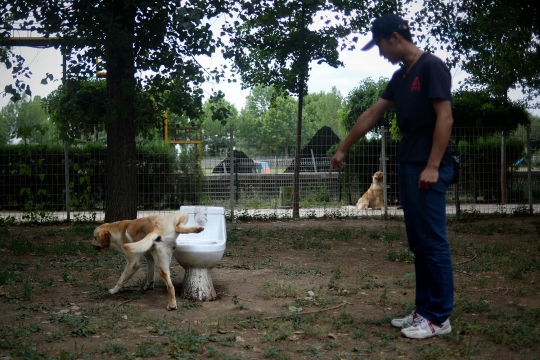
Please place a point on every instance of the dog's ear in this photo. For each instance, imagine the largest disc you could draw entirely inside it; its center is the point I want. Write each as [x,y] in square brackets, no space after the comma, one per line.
[105,238]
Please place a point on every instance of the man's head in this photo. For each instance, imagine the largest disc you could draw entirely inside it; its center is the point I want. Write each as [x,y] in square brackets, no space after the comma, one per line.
[385,26]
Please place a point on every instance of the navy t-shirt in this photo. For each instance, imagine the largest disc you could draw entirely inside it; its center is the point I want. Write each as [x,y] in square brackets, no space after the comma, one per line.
[413,95]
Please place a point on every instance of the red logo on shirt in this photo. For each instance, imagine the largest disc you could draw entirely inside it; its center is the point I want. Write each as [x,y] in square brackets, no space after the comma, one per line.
[415,85]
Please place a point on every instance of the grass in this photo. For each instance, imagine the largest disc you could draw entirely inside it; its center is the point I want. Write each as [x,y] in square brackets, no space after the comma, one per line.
[331,295]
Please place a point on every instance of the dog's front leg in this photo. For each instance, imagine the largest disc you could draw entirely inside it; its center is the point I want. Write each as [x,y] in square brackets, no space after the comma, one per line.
[150,272]
[133,264]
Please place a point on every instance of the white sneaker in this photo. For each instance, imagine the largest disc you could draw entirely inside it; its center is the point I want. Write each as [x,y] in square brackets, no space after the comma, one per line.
[423,329]
[406,321]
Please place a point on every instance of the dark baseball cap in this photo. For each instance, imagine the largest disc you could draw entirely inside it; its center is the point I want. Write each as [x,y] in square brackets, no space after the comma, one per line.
[384,26]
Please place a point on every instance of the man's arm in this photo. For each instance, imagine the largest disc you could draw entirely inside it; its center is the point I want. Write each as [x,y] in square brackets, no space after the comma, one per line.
[365,122]
[441,137]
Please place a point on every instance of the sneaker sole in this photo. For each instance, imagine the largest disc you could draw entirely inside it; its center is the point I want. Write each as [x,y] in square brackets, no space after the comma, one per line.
[442,332]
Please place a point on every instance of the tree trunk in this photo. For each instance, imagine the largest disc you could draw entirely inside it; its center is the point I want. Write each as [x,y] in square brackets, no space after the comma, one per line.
[197,285]
[121,158]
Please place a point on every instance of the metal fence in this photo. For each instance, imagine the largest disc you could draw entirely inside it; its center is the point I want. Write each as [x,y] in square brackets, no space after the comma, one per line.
[35,183]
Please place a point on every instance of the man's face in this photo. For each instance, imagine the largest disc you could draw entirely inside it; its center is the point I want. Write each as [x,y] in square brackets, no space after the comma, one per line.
[388,50]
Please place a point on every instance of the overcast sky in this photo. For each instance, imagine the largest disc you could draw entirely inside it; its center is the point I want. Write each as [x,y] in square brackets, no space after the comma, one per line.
[358,66]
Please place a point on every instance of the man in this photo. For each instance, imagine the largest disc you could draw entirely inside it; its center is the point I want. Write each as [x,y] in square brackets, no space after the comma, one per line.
[420,92]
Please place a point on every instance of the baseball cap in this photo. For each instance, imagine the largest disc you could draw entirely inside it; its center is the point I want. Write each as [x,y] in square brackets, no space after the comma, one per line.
[384,26]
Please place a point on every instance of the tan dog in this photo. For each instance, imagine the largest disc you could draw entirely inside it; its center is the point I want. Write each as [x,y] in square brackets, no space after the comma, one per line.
[154,236]
[373,197]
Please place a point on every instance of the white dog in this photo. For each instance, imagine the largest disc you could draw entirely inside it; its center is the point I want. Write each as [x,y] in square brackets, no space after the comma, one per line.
[154,236]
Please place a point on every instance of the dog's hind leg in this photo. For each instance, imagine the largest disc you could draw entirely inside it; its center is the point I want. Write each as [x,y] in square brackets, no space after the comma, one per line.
[150,272]
[163,265]
[133,264]
[180,227]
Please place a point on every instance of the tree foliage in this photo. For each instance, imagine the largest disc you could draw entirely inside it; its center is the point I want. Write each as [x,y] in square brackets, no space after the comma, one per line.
[495,41]
[79,109]
[481,109]
[143,45]
[360,99]
[26,121]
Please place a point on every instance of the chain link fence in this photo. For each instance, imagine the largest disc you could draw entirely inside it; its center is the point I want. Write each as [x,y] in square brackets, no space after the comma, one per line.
[498,174]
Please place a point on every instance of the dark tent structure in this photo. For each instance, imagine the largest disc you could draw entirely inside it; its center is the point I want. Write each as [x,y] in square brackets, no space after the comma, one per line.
[242,163]
[313,157]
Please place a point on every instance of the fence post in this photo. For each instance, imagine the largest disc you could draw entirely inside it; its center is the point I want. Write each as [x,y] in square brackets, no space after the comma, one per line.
[66,178]
[231,171]
[383,165]
[504,196]
[66,147]
[529,169]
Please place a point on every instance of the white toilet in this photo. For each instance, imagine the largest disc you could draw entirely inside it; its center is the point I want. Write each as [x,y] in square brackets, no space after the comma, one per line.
[198,253]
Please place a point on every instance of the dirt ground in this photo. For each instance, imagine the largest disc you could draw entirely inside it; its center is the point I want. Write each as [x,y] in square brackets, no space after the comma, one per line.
[302,289]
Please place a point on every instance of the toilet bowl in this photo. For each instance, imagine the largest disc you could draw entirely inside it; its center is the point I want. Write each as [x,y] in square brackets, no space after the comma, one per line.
[199,253]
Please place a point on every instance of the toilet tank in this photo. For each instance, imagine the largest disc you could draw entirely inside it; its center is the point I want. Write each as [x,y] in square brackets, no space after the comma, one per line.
[205,249]
[213,223]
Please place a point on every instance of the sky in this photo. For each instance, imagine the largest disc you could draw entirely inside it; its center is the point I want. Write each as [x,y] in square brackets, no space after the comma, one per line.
[359,65]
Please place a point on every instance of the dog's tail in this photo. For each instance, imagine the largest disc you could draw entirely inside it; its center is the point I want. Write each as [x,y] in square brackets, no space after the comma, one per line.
[144,244]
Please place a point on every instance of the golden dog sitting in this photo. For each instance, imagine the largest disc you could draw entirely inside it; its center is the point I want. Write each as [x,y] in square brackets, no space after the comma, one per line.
[373,198]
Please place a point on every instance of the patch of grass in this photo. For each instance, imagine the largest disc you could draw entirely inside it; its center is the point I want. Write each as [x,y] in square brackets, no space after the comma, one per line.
[392,236]
[517,337]
[182,343]
[27,291]
[467,306]
[148,348]
[489,229]
[114,348]
[8,276]
[278,289]
[400,256]
[76,325]
[300,244]
[293,272]
[275,352]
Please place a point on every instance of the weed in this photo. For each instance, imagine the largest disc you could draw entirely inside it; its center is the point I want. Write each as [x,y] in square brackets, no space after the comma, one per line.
[431,351]
[114,348]
[148,348]
[516,337]
[77,325]
[237,302]
[278,289]
[401,256]
[292,272]
[275,352]
[8,277]
[27,291]
[314,351]
[299,244]
[342,321]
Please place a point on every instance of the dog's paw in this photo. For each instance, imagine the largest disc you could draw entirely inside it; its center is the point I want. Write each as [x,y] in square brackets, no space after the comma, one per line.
[170,308]
[112,291]
[199,229]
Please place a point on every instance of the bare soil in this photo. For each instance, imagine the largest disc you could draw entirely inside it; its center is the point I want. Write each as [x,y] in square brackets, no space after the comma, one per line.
[54,303]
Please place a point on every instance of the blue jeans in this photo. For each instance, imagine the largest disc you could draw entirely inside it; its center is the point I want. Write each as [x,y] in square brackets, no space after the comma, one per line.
[425,223]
